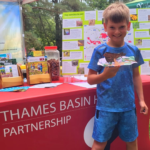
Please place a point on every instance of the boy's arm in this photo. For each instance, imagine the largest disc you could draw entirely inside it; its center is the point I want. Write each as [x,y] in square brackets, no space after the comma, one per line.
[94,78]
[139,90]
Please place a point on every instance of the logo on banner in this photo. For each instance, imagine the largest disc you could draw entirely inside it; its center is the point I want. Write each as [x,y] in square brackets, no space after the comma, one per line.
[88,133]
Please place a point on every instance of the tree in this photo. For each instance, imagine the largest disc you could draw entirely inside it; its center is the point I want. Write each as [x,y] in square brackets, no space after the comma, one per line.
[32,41]
[98,4]
[102,4]
[38,23]
[65,6]
[44,19]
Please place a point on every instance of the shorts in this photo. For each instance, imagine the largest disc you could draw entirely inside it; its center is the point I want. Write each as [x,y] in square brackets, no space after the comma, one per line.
[105,122]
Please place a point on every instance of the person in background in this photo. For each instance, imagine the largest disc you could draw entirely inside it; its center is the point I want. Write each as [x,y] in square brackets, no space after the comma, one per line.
[115,85]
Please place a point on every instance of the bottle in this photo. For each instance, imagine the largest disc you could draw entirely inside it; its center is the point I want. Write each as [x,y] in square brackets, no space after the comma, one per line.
[53,58]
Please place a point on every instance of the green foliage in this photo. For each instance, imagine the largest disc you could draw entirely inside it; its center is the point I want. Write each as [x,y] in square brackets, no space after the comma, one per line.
[74,5]
[98,4]
[39,27]
[102,4]
[124,1]
[43,21]
[31,40]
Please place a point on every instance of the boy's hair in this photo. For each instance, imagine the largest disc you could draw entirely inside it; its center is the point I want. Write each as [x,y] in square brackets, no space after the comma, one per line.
[116,12]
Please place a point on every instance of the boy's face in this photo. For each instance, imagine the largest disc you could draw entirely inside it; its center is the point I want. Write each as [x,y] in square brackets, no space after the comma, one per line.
[116,32]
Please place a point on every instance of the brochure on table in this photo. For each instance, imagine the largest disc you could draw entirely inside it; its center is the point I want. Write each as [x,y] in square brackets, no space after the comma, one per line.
[15,89]
[8,67]
[37,68]
[83,31]
[37,65]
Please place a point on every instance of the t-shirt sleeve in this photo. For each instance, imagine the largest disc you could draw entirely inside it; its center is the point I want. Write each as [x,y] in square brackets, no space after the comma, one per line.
[138,59]
[94,60]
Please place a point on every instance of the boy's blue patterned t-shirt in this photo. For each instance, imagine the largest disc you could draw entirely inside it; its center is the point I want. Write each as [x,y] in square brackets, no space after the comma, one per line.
[116,94]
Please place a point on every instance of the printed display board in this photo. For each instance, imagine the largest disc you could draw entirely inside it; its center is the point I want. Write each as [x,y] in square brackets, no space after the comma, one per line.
[10,33]
[83,31]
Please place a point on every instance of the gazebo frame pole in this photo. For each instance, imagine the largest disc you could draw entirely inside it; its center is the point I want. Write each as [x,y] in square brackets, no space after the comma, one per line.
[22,32]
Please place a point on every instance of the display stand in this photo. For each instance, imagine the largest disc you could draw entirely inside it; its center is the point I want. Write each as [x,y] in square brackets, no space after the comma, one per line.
[12,81]
[38,78]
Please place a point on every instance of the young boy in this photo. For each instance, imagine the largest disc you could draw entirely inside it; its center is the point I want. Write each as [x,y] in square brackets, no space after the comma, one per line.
[115,85]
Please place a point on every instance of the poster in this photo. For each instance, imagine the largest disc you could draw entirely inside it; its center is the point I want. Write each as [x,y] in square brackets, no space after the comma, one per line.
[10,33]
[83,31]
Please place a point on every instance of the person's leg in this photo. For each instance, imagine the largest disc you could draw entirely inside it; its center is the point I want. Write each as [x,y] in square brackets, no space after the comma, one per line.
[128,130]
[104,124]
[98,145]
[132,145]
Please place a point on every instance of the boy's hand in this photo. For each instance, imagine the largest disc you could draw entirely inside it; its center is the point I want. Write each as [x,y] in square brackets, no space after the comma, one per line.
[144,108]
[110,72]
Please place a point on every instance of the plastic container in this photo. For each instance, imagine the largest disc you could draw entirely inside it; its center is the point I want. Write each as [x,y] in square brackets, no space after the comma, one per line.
[53,58]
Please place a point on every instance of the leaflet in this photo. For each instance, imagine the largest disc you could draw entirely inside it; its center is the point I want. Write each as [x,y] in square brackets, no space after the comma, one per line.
[90,15]
[72,34]
[140,34]
[15,89]
[40,67]
[100,15]
[12,69]
[9,71]
[84,84]
[145,68]
[69,23]
[8,62]
[145,54]
[132,11]
[142,43]
[144,25]
[144,15]
[68,67]
[85,66]
[121,61]
[67,55]
[46,85]
[5,56]
[70,45]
